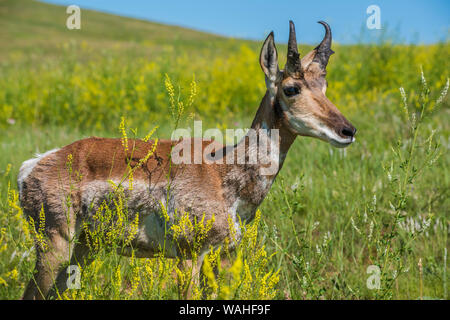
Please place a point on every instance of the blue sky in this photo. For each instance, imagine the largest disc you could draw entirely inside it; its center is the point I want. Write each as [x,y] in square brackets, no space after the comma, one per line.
[403,21]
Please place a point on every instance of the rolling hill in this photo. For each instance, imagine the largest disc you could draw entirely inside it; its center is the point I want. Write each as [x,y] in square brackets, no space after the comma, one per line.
[27,25]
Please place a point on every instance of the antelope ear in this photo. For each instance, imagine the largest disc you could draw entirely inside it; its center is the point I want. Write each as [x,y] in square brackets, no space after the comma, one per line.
[268,59]
[308,58]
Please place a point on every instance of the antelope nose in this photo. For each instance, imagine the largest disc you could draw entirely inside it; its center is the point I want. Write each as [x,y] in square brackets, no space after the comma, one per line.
[348,131]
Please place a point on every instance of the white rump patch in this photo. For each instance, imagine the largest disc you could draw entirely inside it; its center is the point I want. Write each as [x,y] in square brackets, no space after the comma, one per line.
[27,167]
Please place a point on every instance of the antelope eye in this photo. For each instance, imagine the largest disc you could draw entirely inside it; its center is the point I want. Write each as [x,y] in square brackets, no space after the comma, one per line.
[291,91]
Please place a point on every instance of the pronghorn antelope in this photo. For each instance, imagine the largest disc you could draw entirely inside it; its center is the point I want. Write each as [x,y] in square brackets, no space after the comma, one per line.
[294,104]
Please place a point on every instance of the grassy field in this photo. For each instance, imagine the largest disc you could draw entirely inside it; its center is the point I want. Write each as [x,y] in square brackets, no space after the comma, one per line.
[331,213]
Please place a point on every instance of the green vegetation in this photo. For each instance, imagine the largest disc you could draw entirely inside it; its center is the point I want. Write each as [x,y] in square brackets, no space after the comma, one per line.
[331,212]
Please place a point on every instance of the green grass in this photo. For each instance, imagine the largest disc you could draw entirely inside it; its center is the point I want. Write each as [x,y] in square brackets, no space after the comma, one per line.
[57,86]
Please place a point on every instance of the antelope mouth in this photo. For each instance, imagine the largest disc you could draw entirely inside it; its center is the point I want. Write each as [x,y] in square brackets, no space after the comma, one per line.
[342,138]
[335,139]
[341,143]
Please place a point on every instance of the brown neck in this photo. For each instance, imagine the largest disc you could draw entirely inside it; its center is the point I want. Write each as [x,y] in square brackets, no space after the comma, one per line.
[269,116]
[251,182]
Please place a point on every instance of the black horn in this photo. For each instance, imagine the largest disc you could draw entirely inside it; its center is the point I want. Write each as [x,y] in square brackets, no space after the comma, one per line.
[293,65]
[324,48]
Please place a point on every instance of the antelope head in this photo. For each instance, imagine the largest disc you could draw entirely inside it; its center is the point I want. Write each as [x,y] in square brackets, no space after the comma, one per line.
[299,91]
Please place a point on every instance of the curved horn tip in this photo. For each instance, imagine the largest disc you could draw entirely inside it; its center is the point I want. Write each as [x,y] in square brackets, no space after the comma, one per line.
[327,38]
[324,48]
[326,25]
